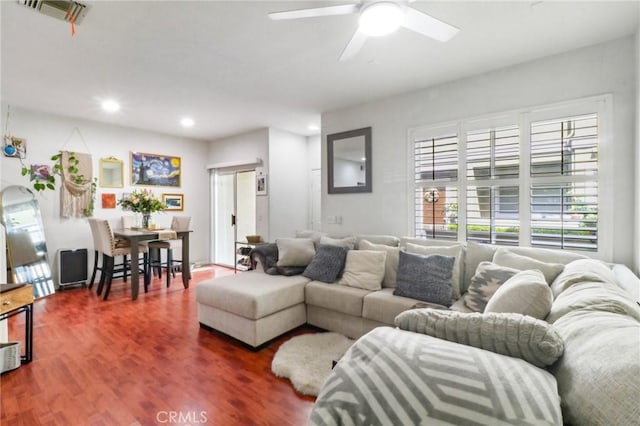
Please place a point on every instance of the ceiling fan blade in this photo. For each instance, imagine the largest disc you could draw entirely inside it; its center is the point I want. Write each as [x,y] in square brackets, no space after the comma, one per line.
[355,44]
[344,9]
[428,25]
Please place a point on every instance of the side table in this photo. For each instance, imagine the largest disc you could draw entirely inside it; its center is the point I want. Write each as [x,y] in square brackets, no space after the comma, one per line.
[15,299]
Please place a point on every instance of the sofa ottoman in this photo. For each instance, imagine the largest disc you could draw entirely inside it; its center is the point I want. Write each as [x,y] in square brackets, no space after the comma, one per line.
[252,307]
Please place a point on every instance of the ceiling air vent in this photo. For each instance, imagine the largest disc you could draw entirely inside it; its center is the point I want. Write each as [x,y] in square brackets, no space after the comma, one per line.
[70,11]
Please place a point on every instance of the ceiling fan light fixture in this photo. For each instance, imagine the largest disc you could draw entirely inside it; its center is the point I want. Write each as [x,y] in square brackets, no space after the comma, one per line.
[380,19]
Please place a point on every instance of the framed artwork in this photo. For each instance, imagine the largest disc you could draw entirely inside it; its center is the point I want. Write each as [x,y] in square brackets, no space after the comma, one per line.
[40,171]
[108,200]
[173,202]
[261,184]
[155,169]
[14,147]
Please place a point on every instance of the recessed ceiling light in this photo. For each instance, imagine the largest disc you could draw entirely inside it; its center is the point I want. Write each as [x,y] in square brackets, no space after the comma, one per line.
[187,122]
[110,105]
[313,127]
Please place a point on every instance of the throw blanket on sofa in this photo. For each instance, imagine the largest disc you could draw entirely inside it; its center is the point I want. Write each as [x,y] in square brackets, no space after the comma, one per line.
[396,377]
[267,255]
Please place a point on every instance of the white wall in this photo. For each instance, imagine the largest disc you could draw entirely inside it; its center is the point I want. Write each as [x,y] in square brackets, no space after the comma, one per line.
[240,149]
[46,134]
[288,183]
[604,68]
[637,168]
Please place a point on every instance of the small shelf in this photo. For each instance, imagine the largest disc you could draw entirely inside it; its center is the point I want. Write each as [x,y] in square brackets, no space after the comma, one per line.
[241,251]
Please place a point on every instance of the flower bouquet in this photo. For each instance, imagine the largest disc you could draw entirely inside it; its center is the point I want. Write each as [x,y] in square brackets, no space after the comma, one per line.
[142,201]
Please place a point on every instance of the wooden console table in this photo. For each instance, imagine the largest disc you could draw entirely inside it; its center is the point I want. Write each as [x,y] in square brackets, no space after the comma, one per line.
[15,299]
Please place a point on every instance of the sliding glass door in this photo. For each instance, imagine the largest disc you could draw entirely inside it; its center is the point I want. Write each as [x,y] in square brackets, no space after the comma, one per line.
[234,212]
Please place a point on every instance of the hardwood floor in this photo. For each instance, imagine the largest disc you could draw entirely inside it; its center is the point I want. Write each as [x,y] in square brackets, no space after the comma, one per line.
[143,362]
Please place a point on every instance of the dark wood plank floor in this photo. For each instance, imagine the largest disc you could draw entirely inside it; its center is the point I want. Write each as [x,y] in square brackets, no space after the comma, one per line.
[143,362]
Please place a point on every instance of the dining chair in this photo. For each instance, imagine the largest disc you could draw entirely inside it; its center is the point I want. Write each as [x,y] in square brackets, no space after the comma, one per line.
[178,223]
[109,247]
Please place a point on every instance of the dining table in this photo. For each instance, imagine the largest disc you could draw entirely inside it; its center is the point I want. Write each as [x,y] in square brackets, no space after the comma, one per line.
[136,235]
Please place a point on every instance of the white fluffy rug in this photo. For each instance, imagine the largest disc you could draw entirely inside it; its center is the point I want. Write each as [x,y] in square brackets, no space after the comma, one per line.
[306,360]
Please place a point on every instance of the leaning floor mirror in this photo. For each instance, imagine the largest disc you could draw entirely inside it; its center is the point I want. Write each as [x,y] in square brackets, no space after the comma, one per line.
[26,246]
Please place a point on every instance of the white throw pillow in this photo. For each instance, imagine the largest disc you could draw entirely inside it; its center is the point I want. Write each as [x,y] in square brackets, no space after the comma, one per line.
[455,251]
[505,257]
[295,251]
[526,293]
[391,264]
[364,269]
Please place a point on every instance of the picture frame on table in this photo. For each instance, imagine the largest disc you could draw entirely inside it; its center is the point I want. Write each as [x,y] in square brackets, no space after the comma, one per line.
[173,202]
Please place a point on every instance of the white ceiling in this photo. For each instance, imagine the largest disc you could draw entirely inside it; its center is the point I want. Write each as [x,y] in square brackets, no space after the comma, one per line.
[234,70]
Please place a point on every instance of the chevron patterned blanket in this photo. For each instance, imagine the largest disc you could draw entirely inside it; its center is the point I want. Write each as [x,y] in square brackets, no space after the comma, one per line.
[397,377]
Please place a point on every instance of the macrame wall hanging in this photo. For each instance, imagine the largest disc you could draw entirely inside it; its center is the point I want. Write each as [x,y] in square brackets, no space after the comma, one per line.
[76,195]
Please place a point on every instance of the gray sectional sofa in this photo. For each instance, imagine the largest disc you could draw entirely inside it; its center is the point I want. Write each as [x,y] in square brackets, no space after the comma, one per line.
[594,317]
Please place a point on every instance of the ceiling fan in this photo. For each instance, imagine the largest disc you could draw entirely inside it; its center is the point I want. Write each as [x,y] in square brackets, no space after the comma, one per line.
[377,18]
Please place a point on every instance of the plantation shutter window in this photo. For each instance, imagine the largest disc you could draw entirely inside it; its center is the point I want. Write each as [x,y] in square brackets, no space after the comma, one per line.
[564,190]
[436,196]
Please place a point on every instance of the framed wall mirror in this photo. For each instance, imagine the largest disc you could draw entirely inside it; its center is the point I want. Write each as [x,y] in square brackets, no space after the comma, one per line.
[349,161]
[111,173]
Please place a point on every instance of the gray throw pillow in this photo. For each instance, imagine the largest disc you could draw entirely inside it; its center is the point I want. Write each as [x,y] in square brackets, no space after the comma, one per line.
[295,251]
[426,278]
[327,264]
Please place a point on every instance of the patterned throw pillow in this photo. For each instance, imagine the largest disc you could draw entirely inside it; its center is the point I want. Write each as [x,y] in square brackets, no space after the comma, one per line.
[426,278]
[327,264]
[484,284]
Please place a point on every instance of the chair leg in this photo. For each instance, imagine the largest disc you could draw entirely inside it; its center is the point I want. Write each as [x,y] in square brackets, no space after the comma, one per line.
[109,274]
[169,260]
[146,270]
[124,268]
[95,268]
[103,275]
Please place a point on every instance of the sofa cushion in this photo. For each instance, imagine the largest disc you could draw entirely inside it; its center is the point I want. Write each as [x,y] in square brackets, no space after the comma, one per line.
[295,251]
[387,240]
[309,233]
[593,296]
[426,278]
[582,270]
[347,242]
[506,257]
[526,293]
[599,374]
[474,254]
[383,306]
[340,298]
[327,264]
[456,251]
[425,242]
[252,294]
[484,284]
[514,335]
[391,261]
[364,269]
